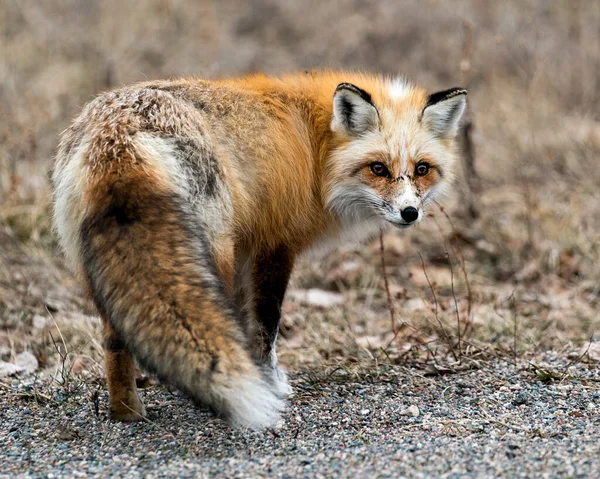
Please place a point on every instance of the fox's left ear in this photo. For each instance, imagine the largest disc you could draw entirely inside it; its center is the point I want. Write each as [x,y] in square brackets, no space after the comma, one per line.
[353,110]
[443,111]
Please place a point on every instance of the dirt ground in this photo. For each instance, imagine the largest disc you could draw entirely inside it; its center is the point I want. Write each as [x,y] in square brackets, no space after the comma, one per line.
[491,419]
[507,271]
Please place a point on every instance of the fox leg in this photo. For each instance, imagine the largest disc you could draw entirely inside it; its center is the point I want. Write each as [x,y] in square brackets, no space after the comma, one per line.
[270,276]
[125,403]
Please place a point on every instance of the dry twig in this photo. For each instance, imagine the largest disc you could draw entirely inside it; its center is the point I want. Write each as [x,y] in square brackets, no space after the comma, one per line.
[387,286]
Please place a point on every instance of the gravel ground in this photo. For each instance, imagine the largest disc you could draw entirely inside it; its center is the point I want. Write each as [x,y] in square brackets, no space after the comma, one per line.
[496,419]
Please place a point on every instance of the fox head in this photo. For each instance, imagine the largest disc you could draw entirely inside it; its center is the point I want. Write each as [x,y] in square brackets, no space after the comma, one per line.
[393,150]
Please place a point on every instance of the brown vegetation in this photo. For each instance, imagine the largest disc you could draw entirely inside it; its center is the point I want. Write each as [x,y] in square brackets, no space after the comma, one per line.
[511,265]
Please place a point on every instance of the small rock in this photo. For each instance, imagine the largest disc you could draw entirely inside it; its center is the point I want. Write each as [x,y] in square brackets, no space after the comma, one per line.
[372,342]
[67,433]
[520,399]
[27,362]
[365,412]
[411,411]
[9,369]
[436,275]
[81,364]
[347,273]
[592,350]
[39,321]
[316,297]
[414,304]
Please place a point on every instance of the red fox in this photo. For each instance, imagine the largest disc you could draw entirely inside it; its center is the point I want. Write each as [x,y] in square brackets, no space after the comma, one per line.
[183,204]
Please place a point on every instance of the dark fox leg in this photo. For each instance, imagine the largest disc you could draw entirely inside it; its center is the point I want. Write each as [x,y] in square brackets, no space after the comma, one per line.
[125,404]
[270,276]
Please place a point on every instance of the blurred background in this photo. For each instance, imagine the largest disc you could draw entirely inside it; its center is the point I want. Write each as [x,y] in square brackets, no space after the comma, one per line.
[510,266]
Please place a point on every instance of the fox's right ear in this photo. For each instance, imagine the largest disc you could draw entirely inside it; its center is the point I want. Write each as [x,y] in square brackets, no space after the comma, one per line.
[353,110]
[443,111]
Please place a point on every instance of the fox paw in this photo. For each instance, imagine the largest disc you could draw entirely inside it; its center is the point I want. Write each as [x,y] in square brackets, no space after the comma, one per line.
[127,409]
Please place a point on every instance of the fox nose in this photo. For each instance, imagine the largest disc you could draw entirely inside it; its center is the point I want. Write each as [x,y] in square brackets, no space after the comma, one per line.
[409,214]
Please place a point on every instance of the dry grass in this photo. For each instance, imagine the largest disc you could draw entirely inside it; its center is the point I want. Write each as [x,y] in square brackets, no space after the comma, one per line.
[520,277]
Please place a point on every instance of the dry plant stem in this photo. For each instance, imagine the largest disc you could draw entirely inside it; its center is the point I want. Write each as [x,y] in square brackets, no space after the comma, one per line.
[514,313]
[5,386]
[458,331]
[458,252]
[578,359]
[387,286]
[455,303]
[530,249]
[64,380]
[435,301]
[63,356]
[11,344]
[395,328]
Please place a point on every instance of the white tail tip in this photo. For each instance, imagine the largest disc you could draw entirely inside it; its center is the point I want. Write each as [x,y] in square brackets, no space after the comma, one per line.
[250,403]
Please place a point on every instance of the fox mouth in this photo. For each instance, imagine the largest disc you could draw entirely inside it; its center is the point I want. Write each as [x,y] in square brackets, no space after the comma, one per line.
[399,222]
[396,218]
[403,225]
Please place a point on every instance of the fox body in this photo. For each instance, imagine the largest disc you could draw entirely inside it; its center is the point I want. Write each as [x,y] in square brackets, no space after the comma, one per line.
[183,204]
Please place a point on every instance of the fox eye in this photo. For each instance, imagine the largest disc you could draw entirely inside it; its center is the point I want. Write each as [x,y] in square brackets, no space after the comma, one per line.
[379,169]
[422,169]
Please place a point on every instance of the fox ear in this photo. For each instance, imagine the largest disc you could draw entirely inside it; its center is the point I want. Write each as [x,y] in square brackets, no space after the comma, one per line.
[443,111]
[353,110]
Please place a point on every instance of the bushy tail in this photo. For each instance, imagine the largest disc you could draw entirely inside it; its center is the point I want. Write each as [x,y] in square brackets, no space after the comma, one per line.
[152,275]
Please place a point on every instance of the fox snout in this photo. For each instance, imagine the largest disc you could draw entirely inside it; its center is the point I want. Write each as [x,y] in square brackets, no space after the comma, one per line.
[406,209]
[404,216]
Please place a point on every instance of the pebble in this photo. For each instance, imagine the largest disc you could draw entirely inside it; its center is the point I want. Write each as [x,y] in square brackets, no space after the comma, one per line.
[410,411]
[521,398]
[439,433]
